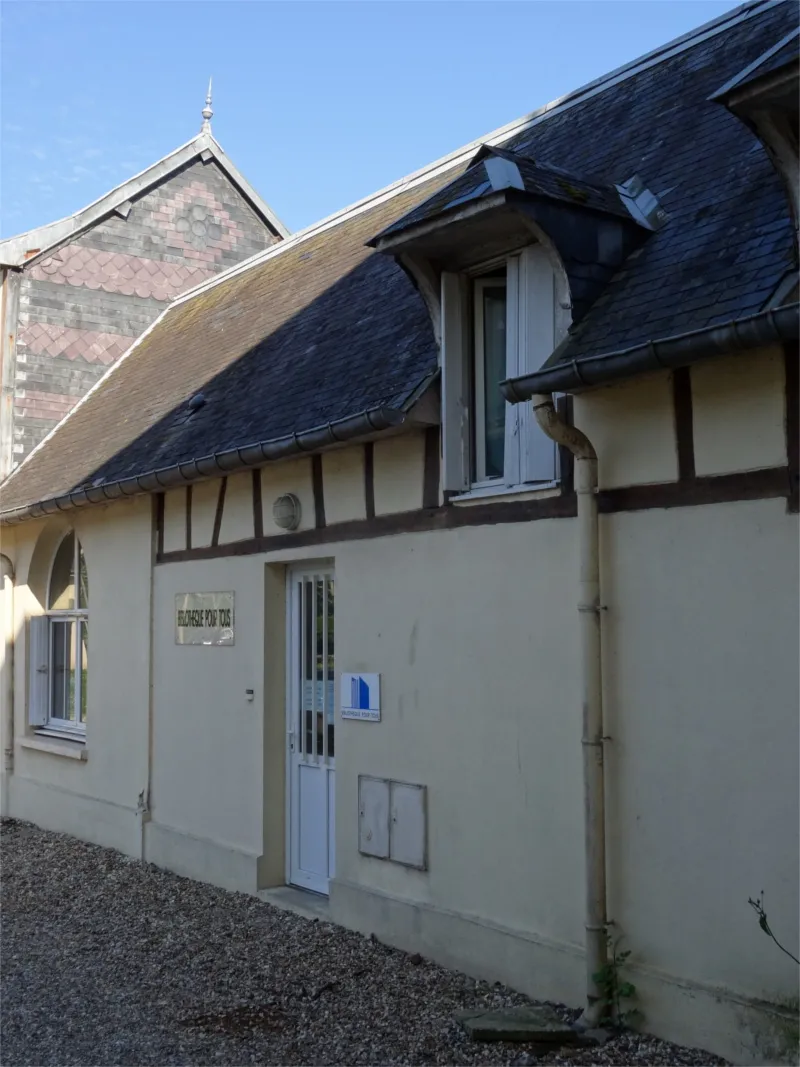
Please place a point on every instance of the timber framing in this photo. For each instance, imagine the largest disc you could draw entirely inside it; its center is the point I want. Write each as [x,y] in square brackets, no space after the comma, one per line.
[369,479]
[716,489]
[684,422]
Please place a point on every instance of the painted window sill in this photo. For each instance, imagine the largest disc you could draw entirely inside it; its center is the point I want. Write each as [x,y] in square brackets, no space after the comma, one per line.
[56,746]
[484,494]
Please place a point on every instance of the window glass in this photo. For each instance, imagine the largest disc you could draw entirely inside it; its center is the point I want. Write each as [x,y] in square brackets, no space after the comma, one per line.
[83,579]
[494,371]
[62,576]
[63,676]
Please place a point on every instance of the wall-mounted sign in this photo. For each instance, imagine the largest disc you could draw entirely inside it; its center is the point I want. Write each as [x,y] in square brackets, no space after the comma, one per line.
[361,696]
[204,619]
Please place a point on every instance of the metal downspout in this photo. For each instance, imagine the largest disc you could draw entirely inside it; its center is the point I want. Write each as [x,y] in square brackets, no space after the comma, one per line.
[589,608]
[7,702]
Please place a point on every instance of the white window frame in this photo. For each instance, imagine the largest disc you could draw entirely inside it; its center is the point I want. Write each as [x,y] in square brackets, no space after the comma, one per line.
[43,632]
[531,458]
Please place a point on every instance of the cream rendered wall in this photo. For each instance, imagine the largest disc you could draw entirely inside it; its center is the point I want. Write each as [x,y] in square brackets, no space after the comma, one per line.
[237,513]
[632,428]
[289,476]
[399,464]
[207,735]
[702,638]
[343,482]
[175,520]
[481,705]
[204,508]
[96,799]
[739,407]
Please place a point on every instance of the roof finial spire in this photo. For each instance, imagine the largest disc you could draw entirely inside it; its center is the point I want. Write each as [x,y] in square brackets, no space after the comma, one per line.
[207,112]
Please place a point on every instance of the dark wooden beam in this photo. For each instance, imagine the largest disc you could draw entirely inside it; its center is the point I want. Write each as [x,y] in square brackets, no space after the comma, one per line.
[258,514]
[714,489]
[158,523]
[189,516]
[684,422]
[430,477]
[369,479]
[791,364]
[223,485]
[419,521]
[319,491]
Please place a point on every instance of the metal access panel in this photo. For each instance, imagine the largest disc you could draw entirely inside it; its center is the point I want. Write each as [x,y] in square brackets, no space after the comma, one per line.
[407,827]
[373,816]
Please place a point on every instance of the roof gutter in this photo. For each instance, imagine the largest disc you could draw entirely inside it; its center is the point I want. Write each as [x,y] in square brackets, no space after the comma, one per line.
[756,331]
[375,420]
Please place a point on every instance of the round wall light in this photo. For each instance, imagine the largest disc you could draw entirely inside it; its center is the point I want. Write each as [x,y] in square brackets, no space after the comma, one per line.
[286,512]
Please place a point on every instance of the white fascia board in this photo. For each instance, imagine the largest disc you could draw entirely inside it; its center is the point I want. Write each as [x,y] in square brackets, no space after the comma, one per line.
[498,137]
[48,237]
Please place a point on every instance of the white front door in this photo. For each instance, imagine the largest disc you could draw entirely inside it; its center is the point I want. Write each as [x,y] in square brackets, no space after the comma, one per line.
[311,728]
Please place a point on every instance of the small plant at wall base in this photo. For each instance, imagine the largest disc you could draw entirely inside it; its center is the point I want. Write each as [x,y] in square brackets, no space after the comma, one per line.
[616,991]
[758,907]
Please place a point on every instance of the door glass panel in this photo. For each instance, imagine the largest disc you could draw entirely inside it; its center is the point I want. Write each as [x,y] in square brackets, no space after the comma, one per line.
[329,675]
[63,676]
[319,599]
[306,661]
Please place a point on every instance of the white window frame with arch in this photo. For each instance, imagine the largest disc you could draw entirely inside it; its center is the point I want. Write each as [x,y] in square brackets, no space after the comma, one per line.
[59,638]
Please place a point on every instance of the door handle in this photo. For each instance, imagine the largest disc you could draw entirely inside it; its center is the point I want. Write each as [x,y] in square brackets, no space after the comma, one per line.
[290,739]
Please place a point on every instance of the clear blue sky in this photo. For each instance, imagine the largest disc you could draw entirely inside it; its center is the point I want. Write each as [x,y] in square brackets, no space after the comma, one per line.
[317,103]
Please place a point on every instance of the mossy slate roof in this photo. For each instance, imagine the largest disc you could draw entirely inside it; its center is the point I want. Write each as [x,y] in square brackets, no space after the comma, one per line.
[325,327]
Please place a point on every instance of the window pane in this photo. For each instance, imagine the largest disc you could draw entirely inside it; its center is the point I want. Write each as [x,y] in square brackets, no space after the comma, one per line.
[494,371]
[83,580]
[63,695]
[62,576]
[84,661]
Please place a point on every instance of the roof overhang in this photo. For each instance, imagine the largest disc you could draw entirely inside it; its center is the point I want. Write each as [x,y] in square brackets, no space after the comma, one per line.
[667,353]
[417,411]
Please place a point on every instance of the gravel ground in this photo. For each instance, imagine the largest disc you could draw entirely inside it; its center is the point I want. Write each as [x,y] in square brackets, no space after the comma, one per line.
[108,961]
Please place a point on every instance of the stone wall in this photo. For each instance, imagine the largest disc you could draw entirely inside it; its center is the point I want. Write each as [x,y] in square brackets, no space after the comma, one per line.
[82,306]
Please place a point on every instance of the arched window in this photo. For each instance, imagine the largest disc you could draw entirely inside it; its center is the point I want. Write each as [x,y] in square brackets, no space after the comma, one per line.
[59,645]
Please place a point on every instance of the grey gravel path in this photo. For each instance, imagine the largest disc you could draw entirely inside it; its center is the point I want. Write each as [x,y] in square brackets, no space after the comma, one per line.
[107,961]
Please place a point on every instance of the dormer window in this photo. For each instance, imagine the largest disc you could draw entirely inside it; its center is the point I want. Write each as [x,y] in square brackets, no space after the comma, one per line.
[523,249]
[497,321]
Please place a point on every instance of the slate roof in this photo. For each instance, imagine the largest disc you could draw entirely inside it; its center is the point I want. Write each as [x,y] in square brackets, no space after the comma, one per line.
[779,56]
[321,327]
[16,250]
[538,179]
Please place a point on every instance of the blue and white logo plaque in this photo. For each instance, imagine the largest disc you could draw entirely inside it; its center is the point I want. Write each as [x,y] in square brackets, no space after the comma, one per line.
[361,697]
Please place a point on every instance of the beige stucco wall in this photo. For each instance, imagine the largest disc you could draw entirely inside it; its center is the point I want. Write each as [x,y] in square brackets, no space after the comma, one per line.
[97,798]
[738,404]
[399,467]
[474,634]
[632,427]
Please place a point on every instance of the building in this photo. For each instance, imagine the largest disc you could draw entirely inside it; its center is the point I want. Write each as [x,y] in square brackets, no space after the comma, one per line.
[352,613]
[77,292]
